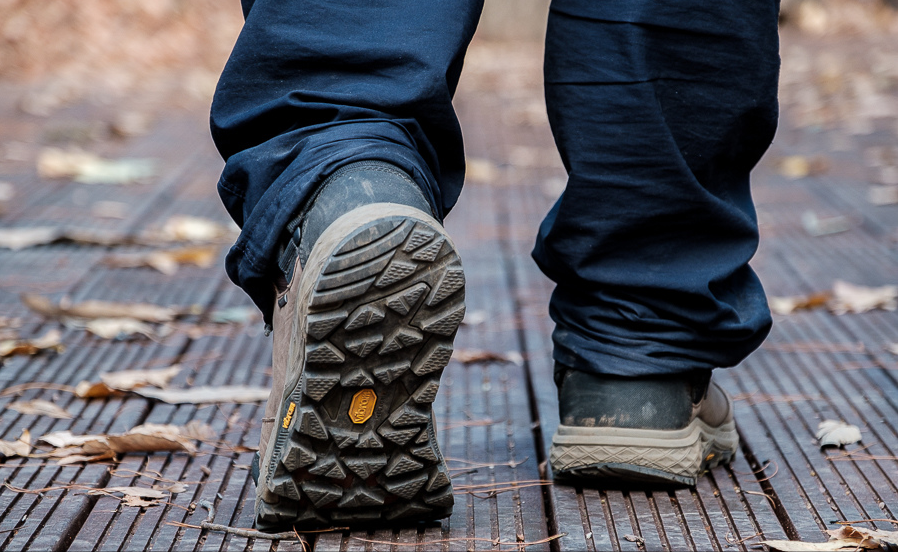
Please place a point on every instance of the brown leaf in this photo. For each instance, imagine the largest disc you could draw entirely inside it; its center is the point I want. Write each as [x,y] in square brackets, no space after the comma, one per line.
[126,380]
[846,538]
[78,458]
[207,395]
[167,262]
[182,228]
[142,438]
[173,488]
[120,328]
[94,390]
[134,496]
[99,309]
[88,168]
[800,166]
[19,447]
[478,356]
[849,297]
[51,341]
[787,305]
[40,408]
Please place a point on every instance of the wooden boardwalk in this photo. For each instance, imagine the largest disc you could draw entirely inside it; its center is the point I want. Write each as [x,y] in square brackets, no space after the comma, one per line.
[495,419]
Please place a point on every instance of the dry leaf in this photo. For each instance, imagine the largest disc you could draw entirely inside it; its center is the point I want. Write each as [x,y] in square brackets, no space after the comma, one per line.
[892,348]
[166,262]
[99,309]
[836,433]
[482,171]
[182,228]
[126,380]
[51,341]
[234,315]
[817,226]
[846,538]
[40,408]
[94,390]
[207,395]
[134,496]
[882,195]
[20,238]
[7,191]
[88,168]
[849,297]
[78,458]
[19,447]
[173,488]
[800,166]
[130,124]
[120,328]
[478,356]
[787,305]
[142,438]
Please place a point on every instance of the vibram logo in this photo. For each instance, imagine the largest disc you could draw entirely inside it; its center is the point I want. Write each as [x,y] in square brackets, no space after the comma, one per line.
[362,406]
[289,416]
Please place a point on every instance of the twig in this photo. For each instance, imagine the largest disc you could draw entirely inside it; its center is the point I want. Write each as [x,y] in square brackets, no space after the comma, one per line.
[494,542]
[765,495]
[510,463]
[252,533]
[733,542]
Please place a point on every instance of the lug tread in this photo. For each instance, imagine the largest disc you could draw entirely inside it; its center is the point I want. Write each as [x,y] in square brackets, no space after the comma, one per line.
[393,287]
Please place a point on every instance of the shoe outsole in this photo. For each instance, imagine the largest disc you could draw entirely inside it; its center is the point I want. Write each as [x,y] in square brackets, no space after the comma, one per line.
[653,457]
[381,299]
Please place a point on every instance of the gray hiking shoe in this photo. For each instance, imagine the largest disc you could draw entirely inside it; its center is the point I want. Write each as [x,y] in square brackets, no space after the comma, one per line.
[362,333]
[654,430]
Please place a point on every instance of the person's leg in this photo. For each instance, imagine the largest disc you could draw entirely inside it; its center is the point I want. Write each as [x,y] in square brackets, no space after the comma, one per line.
[660,109]
[312,86]
[343,153]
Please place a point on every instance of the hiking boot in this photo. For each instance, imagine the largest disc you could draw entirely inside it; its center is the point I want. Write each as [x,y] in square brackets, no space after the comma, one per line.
[655,430]
[362,332]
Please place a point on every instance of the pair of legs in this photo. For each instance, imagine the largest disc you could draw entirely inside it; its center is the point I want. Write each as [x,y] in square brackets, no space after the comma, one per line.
[659,109]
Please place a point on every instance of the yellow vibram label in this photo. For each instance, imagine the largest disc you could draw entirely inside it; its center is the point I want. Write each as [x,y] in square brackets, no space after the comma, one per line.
[362,406]
[289,416]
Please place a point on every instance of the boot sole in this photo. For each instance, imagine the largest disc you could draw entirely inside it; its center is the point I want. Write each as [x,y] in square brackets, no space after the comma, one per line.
[380,301]
[642,456]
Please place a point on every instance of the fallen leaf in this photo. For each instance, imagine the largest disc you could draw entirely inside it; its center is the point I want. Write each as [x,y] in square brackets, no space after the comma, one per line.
[134,496]
[127,380]
[99,309]
[7,191]
[129,124]
[634,538]
[142,438]
[817,226]
[787,305]
[234,315]
[182,228]
[845,538]
[207,395]
[882,195]
[21,238]
[482,171]
[837,433]
[892,348]
[478,356]
[88,168]
[40,408]
[79,458]
[114,383]
[853,298]
[166,262]
[51,341]
[474,318]
[94,390]
[120,328]
[19,447]
[173,488]
[800,166]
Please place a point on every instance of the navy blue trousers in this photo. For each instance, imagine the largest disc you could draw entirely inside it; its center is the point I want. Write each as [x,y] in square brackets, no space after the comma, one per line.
[659,108]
